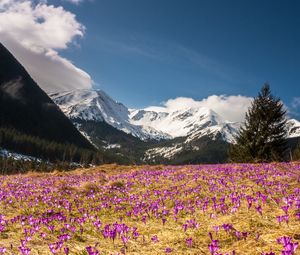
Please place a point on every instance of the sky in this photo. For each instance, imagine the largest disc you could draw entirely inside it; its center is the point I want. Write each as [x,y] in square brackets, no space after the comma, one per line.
[160,53]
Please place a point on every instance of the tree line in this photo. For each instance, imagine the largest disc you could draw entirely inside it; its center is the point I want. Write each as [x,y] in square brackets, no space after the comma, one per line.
[47,151]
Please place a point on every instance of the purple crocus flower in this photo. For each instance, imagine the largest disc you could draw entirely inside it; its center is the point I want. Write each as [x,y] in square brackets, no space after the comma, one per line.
[168,250]
[154,239]
[285,209]
[227,227]
[91,250]
[189,241]
[185,226]
[259,209]
[24,250]
[135,233]
[213,247]
[125,239]
[66,250]
[288,245]
[216,228]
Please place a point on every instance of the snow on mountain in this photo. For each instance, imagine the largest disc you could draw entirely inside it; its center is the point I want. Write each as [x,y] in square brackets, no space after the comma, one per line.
[167,152]
[17,156]
[227,131]
[91,105]
[293,128]
[96,105]
[191,121]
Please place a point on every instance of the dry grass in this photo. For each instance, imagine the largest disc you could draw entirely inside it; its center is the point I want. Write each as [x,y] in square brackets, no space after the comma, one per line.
[89,187]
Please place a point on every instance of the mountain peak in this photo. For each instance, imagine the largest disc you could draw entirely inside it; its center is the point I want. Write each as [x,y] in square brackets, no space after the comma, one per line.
[293,126]
[176,122]
[96,105]
[89,104]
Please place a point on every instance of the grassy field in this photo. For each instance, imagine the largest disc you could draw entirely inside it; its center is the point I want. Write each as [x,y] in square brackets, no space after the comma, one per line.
[205,209]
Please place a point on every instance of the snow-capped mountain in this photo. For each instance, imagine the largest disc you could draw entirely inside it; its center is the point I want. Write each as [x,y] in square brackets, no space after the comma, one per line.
[293,128]
[225,131]
[96,105]
[158,124]
[186,132]
[190,121]
[214,131]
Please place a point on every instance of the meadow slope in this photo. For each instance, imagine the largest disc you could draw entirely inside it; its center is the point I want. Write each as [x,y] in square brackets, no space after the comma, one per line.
[200,209]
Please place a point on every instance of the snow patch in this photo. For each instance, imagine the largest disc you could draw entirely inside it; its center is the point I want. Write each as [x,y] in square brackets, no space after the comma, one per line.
[112,146]
[165,152]
[17,156]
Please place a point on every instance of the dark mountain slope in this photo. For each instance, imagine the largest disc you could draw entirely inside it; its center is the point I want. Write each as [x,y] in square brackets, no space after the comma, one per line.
[131,149]
[25,107]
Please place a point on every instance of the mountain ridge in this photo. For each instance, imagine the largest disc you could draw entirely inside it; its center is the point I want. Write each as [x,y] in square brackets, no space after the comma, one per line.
[96,105]
[148,124]
[185,133]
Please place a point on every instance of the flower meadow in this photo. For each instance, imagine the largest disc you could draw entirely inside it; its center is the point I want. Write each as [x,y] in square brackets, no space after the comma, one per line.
[197,209]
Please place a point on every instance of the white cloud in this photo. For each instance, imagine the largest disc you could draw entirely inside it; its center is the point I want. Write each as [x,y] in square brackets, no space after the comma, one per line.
[74,1]
[35,33]
[231,108]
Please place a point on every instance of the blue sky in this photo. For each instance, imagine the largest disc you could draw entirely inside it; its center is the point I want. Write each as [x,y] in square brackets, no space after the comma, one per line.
[145,52]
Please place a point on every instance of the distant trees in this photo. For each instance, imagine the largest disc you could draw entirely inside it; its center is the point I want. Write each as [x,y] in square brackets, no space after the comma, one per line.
[45,150]
[263,136]
[296,154]
[10,165]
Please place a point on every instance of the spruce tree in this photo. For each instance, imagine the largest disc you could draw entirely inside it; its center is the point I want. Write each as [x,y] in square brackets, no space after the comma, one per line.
[262,138]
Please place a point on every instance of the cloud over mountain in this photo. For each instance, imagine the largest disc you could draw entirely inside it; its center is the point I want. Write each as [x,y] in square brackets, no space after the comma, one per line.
[231,108]
[35,33]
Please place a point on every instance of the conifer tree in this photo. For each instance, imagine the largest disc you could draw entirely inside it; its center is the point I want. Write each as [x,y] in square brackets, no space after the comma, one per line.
[262,138]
